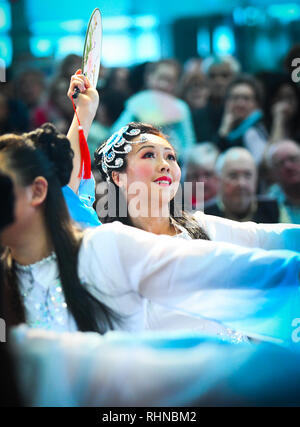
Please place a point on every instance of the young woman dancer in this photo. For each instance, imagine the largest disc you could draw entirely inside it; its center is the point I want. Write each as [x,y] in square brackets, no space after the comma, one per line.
[180,369]
[135,165]
[138,157]
[101,279]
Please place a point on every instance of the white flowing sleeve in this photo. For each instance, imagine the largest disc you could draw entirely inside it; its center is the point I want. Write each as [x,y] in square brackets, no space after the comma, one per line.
[224,282]
[250,234]
[119,369]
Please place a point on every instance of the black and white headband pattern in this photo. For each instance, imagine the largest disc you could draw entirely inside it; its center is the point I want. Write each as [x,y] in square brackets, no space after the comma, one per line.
[115,145]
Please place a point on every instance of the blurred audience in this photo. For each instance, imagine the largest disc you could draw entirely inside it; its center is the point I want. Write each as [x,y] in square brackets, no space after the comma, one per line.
[136,77]
[200,168]
[157,105]
[117,79]
[242,124]
[31,90]
[284,160]
[163,76]
[69,65]
[282,106]
[237,198]
[193,65]
[193,89]
[13,115]
[57,109]
[220,71]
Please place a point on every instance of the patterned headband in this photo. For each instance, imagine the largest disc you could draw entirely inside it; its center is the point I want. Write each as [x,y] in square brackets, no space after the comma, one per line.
[117,144]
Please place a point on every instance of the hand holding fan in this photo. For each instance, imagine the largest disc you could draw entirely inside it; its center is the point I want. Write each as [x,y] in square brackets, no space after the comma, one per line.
[90,68]
[92,50]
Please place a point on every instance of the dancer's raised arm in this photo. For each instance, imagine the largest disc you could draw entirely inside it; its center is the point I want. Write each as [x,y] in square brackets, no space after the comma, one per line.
[86,107]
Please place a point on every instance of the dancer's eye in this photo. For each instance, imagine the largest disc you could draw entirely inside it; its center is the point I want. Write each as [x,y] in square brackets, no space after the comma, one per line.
[148,155]
[171,157]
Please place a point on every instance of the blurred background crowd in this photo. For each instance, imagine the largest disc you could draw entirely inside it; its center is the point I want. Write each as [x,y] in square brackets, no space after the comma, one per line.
[220,80]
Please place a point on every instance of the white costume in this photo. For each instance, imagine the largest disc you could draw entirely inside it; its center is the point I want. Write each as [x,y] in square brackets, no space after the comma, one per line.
[154,369]
[246,234]
[124,267]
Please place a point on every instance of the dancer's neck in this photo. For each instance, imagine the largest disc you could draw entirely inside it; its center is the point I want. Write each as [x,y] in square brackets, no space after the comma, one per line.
[156,225]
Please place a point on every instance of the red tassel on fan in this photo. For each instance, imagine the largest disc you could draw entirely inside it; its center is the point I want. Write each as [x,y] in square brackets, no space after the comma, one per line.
[85,163]
[85,160]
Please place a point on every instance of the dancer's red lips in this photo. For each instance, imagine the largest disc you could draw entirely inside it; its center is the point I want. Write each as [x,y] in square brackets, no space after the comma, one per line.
[164,180]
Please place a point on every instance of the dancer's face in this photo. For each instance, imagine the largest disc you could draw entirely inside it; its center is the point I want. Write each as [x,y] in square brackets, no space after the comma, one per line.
[152,172]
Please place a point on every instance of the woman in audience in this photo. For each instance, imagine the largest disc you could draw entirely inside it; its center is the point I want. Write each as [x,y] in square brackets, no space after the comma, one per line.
[193,89]
[242,122]
[282,108]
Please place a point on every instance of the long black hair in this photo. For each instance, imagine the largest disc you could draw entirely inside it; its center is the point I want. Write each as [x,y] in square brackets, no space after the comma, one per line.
[116,202]
[47,153]
[9,390]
